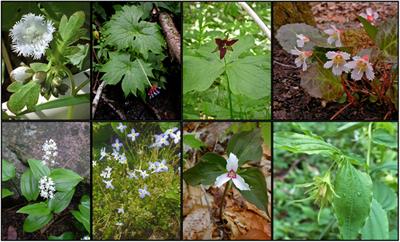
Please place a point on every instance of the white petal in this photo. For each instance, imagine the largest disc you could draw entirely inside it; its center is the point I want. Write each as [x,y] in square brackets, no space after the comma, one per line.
[295,51]
[345,55]
[330,40]
[232,163]
[240,183]
[300,43]
[328,64]
[370,74]
[351,64]
[369,11]
[337,70]
[298,61]
[222,179]
[338,43]
[356,75]
[329,31]
[330,54]
[304,65]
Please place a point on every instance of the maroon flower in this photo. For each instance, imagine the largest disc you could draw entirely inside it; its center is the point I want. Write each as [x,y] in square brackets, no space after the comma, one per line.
[223,45]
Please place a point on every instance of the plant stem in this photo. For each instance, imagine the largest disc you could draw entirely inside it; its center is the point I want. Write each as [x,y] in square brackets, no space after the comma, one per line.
[221,206]
[369,144]
[229,92]
[82,85]
[257,19]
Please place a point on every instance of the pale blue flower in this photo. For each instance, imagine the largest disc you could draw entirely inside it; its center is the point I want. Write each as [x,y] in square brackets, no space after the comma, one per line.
[109,184]
[143,192]
[103,153]
[133,135]
[117,145]
[121,127]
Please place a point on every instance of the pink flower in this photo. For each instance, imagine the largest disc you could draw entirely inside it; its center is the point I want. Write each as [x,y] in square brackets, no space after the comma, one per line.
[334,36]
[361,65]
[370,15]
[302,57]
[337,62]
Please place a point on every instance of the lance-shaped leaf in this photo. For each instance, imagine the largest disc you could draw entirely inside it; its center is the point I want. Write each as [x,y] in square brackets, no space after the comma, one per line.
[246,146]
[8,170]
[38,169]
[352,207]
[29,185]
[385,196]
[60,201]
[33,222]
[377,225]
[258,194]
[206,170]
[134,74]
[36,209]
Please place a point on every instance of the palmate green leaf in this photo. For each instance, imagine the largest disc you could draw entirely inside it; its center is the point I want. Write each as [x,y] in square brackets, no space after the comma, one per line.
[29,186]
[6,193]
[134,74]
[300,143]
[127,29]
[38,169]
[77,54]
[258,195]
[385,196]
[65,179]
[377,225]
[61,200]
[209,167]
[36,209]
[246,146]
[27,95]
[8,170]
[352,207]
[33,223]
[71,29]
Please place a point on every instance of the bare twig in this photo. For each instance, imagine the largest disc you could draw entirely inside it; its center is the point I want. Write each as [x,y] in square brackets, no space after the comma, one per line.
[97,98]
[172,35]
[341,110]
[257,19]
[285,65]
[6,57]
[108,101]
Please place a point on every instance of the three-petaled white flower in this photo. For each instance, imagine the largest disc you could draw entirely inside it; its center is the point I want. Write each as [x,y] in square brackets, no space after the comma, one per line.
[21,74]
[117,145]
[231,167]
[301,39]
[133,135]
[334,36]
[337,62]
[32,35]
[370,15]
[301,60]
[143,192]
[47,187]
[361,65]
[121,127]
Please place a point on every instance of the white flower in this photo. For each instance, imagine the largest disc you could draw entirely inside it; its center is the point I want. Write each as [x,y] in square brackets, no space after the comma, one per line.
[119,224]
[115,154]
[109,184]
[133,135]
[106,173]
[103,153]
[170,131]
[117,145]
[370,15]
[47,187]
[50,149]
[132,174]
[86,237]
[122,158]
[121,210]
[176,137]
[160,167]
[302,57]
[163,140]
[121,127]
[334,36]
[361,65]
[152,165]
[32,35]
[301,39]
[337,62]
[231,167]
[143,173]
[94,163]
[21,74]
[143,192]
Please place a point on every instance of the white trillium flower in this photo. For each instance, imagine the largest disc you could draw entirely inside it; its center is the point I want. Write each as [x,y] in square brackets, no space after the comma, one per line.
[121,127]
[370,15]
[32,35]
[359,66]
[334,36]
[133,135]
[301,39]
[302,57]
[21,74]
[337,62]
[231,167]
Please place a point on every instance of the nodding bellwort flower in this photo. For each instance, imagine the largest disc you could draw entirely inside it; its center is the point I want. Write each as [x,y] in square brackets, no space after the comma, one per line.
[133,135]
[143,192]
[32,35]
[370,15]
[231,167]
[301,39]
[50,149]
[361,65]
[337,62]
[47,187]
[21,74]
[121,127]
[302,57]
[334,36]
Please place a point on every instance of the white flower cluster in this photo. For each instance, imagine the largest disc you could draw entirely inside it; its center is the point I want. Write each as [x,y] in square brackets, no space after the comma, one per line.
[50,152]
[172,134]
[106,174]
[32,35]
[47,187]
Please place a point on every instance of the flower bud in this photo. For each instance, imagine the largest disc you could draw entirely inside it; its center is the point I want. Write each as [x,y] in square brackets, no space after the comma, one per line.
[21,74]
[56,81]
[39,77]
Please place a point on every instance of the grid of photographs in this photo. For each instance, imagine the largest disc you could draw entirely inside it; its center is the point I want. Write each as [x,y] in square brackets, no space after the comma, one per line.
[204,120]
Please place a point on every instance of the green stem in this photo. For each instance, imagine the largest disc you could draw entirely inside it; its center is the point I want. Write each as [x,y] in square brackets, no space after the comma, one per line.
[82,85]
[369,144]
[229,92]
[71,78]
[221,206]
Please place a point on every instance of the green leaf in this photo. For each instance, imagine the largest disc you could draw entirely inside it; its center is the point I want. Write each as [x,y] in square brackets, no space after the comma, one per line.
[77,54]
[385,196]
[244,44]
[83,215]
[258,195]
[134,74]
[6,193]
[70,29]
[33,223]
[386,36]
[8,170]
[29,186]
[194,69]
[126,29]
[300,143]
[65,179]
[352,207]
[64,102]
[64,236]
[27,95]
[38,169]
[369,28]
[385,166]
[248,77]
[14,87]
[383,137]
[377,226]
[209,167]
[36,209]
[61,200]
[192,141]
[246,146]
[36,67]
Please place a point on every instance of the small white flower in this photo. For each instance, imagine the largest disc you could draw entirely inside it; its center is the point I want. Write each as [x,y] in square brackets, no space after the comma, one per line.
[361,65]
[109,184]
[86,237]
[301,60]
[143,173]
[119,224]
[32,35]
[337,62]
[133,135]
[117,145]
[21,74]
[122,158]
[152,166]
[163,140]
[334,36]
[161,167]
[121,127]
[47,187]
[170,131]
[231,167]
[106,173]
[103,153]
[370,15]
[301,39]
[143,192]
[115,154]
[50,149]
[94,163]
[121,210]
[176,137]
[132,174]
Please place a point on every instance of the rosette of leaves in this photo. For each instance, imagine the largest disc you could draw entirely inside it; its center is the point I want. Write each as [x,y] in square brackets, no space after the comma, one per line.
[39,212]
[136,51]
[65,50]
[246,146]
